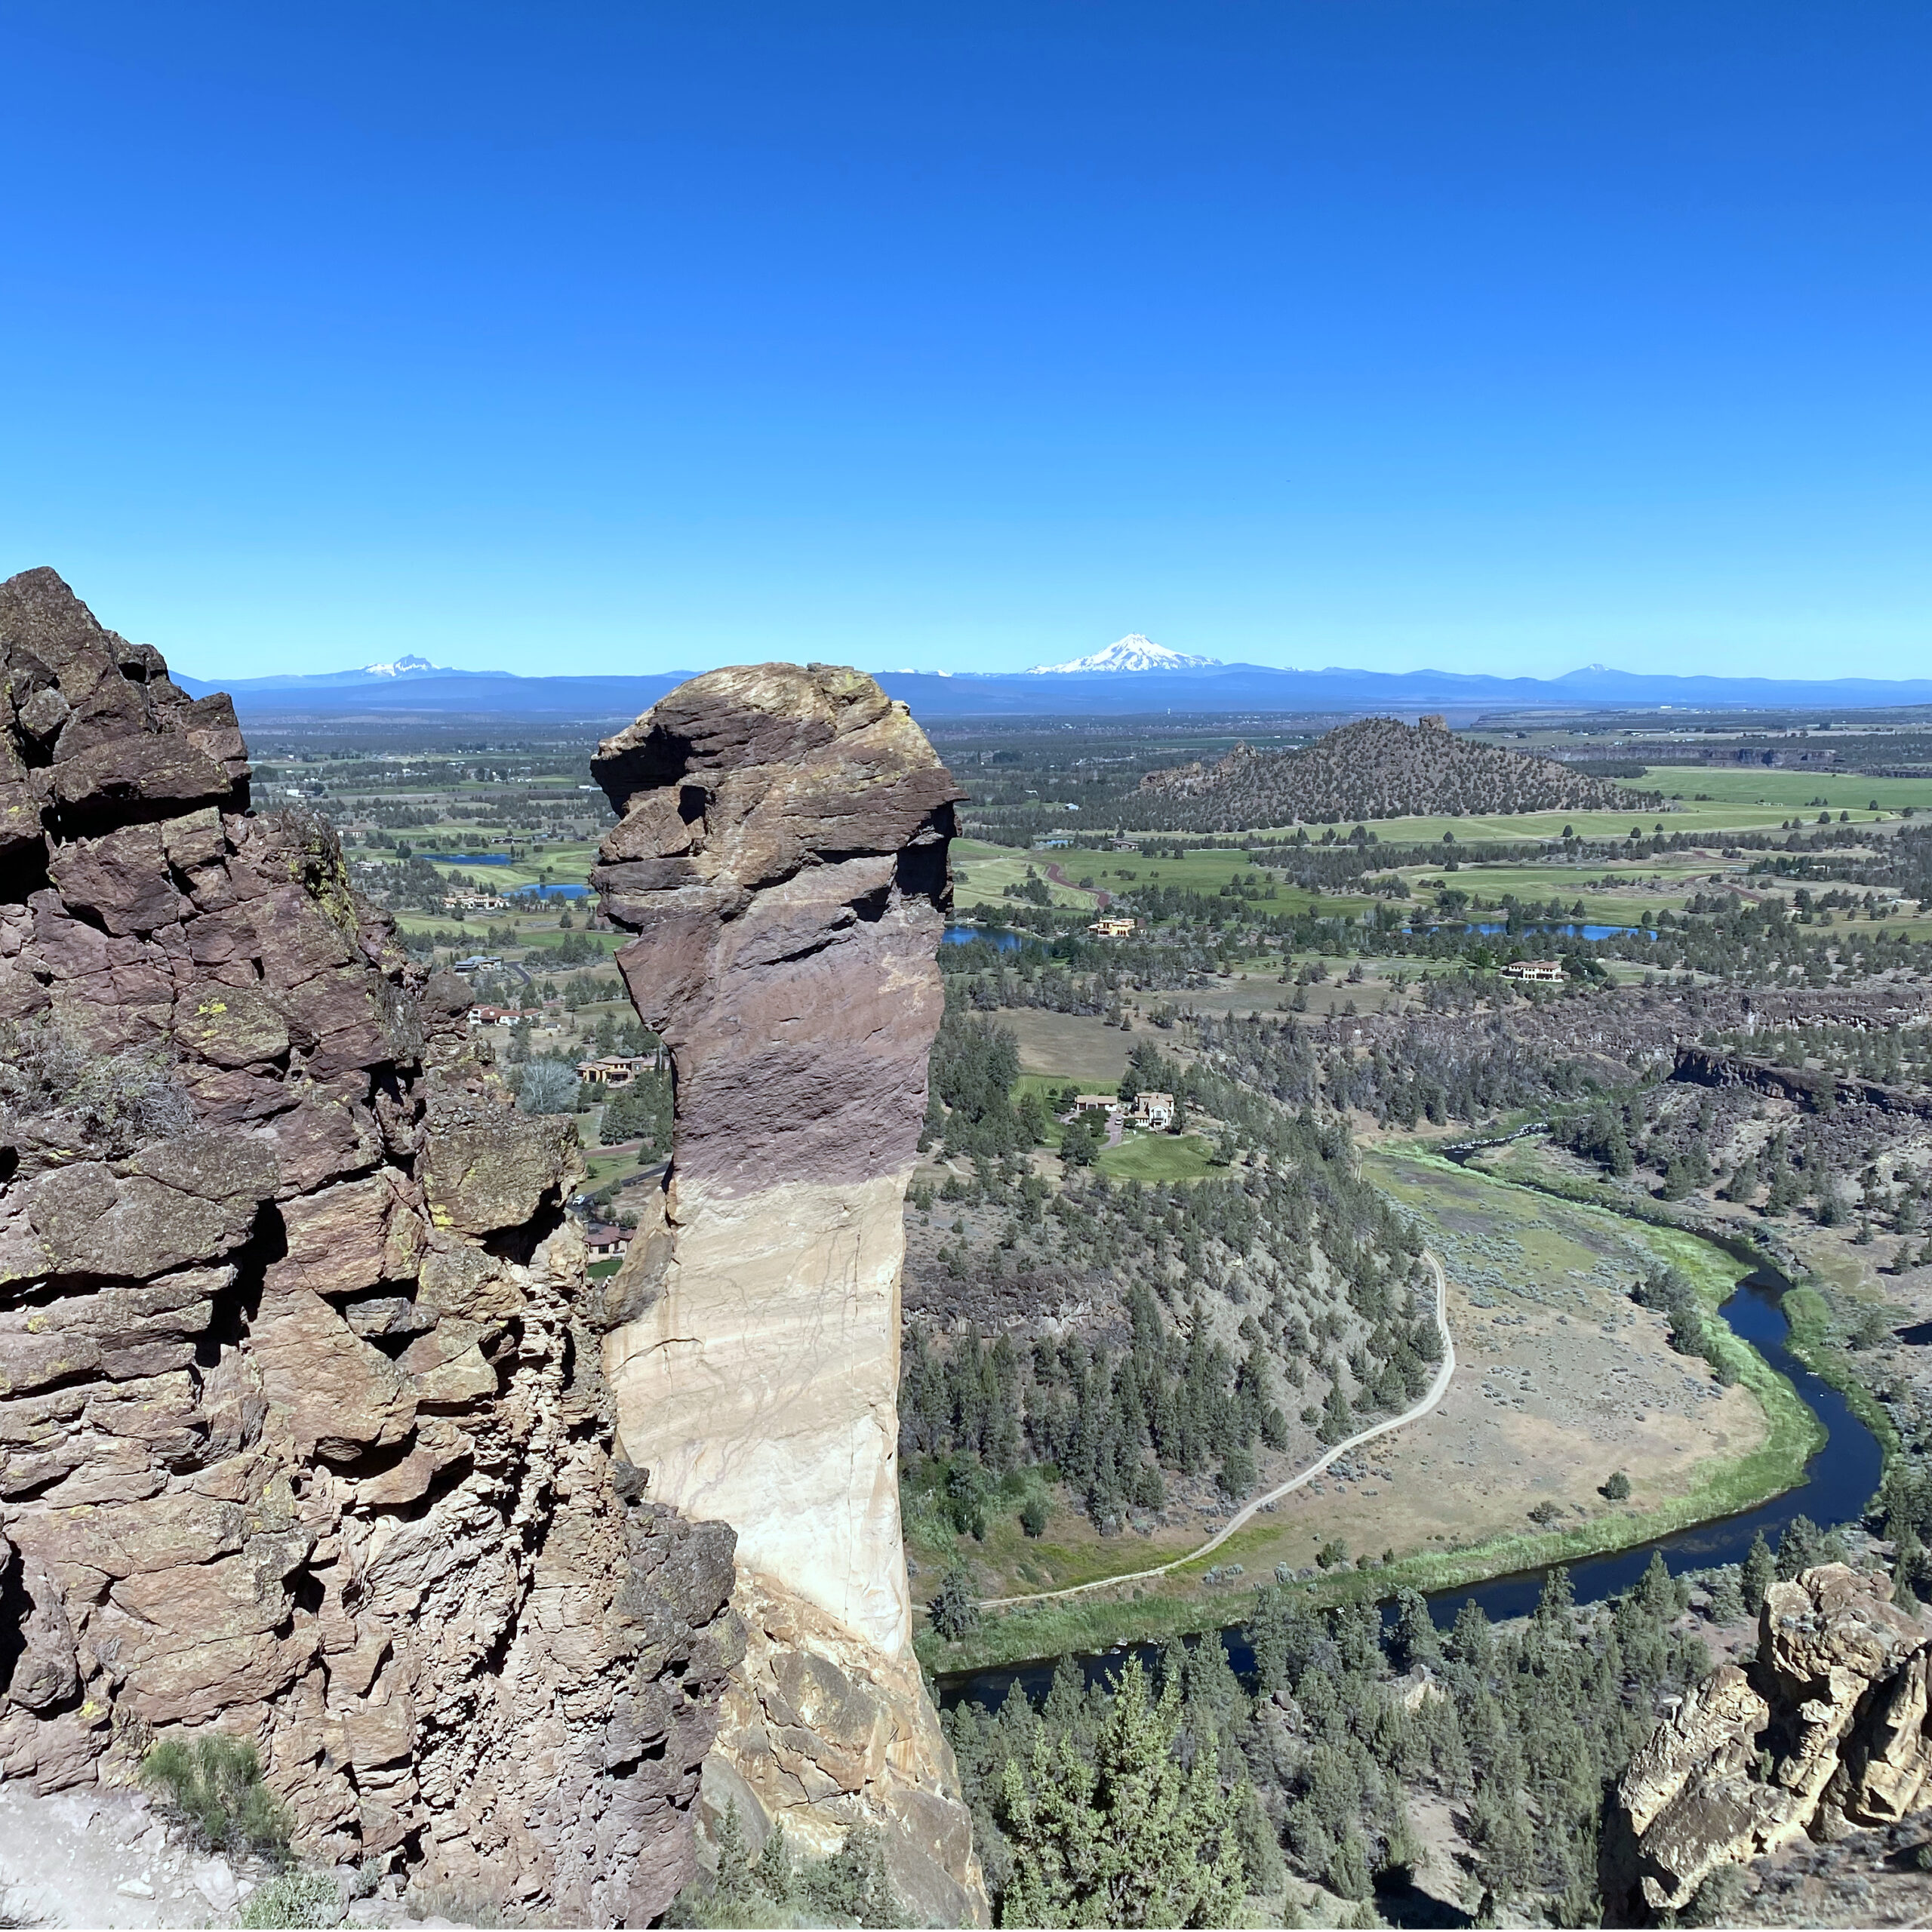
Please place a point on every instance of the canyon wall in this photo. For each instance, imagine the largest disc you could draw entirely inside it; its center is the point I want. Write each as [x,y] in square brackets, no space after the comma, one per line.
[303,1434]
[781,858]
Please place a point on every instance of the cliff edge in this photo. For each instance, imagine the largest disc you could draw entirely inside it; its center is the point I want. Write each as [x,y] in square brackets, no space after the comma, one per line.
[1827,1730]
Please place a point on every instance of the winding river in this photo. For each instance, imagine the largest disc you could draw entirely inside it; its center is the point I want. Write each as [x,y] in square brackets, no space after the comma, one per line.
[1838,1483]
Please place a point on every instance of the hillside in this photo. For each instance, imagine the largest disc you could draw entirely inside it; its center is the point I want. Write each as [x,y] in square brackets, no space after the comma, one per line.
[1378,767]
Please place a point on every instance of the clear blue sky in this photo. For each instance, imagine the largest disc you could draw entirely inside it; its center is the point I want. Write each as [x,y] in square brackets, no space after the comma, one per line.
[567,336]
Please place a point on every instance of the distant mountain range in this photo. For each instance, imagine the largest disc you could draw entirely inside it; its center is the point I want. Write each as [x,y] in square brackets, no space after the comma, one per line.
[1105,685]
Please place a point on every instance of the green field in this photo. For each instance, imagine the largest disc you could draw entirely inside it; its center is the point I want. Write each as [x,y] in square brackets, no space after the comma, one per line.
[1156,1157]
[981,871]
[1786,791]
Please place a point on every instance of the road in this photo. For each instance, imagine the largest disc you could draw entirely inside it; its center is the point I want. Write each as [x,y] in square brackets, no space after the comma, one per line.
[1246,1513]
[1102,900]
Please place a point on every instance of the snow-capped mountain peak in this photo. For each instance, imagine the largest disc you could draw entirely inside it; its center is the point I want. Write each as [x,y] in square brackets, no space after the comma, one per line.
[1133,653]
[401,668]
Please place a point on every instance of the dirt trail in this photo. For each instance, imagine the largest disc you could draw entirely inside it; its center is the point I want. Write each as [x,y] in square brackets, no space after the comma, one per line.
[1102,900]
[1246,1513]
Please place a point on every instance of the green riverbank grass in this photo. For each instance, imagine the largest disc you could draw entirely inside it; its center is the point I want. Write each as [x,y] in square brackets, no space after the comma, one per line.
[1174,1605]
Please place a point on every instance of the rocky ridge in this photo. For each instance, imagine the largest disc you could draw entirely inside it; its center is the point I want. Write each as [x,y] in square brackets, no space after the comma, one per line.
[781,857]
[303,1433]
[1827,1730]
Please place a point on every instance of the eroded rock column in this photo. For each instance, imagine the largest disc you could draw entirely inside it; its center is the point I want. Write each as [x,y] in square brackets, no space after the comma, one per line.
[782,860]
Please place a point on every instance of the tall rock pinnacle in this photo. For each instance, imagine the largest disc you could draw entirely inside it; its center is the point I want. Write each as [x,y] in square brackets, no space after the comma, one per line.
[781,858]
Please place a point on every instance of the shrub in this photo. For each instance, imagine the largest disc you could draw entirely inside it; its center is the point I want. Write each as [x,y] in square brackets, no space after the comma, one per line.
[111,1103]
[1617,1489]
[293,1898]
[214,1786]
[1033,1515]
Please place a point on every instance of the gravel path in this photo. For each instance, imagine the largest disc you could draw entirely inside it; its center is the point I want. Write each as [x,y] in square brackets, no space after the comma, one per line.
[1242,1516]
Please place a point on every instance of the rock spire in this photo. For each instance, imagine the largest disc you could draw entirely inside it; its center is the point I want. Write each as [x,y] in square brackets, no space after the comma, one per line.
[781,859]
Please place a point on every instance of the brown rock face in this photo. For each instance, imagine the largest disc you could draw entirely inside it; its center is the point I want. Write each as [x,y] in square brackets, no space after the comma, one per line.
[299,1435]
[1827,1730]
[782,859]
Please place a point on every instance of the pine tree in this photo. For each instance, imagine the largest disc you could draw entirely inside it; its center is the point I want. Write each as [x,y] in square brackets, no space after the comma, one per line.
[1760,1571]
[1797,1547]
[776,1877]
[1414,1640]
[1128,1838]
[954,1611]
[734,1867]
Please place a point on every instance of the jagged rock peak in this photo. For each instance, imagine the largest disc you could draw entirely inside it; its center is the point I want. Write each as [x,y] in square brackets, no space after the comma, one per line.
[94,735]
[1828,1728]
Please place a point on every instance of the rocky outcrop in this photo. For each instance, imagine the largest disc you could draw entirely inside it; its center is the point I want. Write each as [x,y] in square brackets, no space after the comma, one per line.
[1828,1729]
[301,1435]
[821,1732]
[1815,1090]
[781,857]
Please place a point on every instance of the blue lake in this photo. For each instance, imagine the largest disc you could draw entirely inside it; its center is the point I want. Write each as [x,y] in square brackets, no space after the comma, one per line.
[551,892]
[994,936]
[1592,932]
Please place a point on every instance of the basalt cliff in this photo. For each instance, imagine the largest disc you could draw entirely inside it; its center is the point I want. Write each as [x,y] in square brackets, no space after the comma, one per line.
[781,859]
[306,1434]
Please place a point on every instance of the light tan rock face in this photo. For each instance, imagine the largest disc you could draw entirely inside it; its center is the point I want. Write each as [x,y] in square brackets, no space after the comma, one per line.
[303,1433]
[1827,1730]
[822,1732]
[761,1387]
[782,859]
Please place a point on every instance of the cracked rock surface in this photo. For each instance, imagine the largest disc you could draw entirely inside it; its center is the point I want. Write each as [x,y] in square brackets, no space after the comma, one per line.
[302,1434]
[1827,1730]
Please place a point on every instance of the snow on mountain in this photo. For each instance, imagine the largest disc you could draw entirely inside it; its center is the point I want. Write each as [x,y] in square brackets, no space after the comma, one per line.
[1132,653]
[401,668]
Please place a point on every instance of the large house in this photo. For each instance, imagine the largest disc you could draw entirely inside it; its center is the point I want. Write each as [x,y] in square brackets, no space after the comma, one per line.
[1153,1110]
[1113,928]
[607,1244]
[1544,972]
[615,1069]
